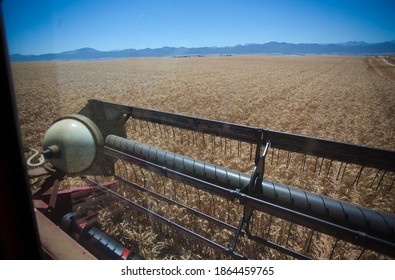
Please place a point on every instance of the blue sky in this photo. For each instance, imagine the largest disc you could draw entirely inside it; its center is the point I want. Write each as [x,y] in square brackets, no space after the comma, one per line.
[38,26]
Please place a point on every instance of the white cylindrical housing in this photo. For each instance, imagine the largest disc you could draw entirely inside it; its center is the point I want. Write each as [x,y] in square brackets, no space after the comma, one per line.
[76,143]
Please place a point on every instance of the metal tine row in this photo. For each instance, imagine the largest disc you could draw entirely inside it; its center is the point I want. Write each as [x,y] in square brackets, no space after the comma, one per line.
[293,236]
[301,239]
[325,167]
[285,158]
[333,249]
[340,249]
[189,137]
[219,208]
[365,174]
[283,233]
[380,179]
[344,250]
[237,148]
[196,225]
[180,192]
[198,200]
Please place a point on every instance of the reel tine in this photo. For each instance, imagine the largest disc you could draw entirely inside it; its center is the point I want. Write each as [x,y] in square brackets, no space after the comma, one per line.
[144,178]
[375,177]
[186,192]
[333,248]
[164,131]
[152,177]
[329,168]
[289,233]
[134,171]
[193,138]
[141,126]
[269,227]
[278,156]
[338,173]
[149,130]
[159,131]
[303,164]
[134,124]
[322,163]
[392,184]
[155,129]
[360,255]
[309,241]
[344,171]
[199,198]
[179,133]
[213,204]
[212,144]
[356,180]
[187,133]
[288,158]
[192,141]
[174,135]
[174,190]
[163,185]
[381,179]
[228,212]
[120,167]
[315,165]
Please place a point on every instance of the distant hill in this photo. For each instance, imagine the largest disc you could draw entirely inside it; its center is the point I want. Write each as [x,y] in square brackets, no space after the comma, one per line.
[271,48]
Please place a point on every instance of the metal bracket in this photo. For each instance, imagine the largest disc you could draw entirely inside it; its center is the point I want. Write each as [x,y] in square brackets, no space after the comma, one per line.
[257,175]
[258,171]
[244,219]
[51,181]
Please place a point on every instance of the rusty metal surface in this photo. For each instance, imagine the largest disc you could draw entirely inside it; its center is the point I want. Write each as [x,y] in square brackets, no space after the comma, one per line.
[37,172]
[57,244]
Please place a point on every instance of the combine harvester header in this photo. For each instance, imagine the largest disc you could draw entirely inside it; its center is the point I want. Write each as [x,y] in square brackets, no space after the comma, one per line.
[244,206]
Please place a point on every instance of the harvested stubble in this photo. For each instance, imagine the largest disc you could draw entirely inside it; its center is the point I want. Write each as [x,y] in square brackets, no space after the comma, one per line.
[348,99]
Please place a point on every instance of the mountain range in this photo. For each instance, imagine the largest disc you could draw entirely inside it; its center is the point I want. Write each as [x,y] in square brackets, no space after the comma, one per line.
[271,48]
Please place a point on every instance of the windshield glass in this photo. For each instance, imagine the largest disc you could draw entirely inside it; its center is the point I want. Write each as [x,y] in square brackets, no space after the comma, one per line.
[121,102]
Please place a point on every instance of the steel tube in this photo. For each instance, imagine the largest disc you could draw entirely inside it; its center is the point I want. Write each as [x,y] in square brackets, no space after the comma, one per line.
[221,176]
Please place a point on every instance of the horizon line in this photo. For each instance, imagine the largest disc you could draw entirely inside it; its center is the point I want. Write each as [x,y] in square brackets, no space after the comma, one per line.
[219,47]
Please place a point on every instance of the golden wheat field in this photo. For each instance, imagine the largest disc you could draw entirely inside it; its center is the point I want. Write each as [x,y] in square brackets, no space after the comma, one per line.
[348,99]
